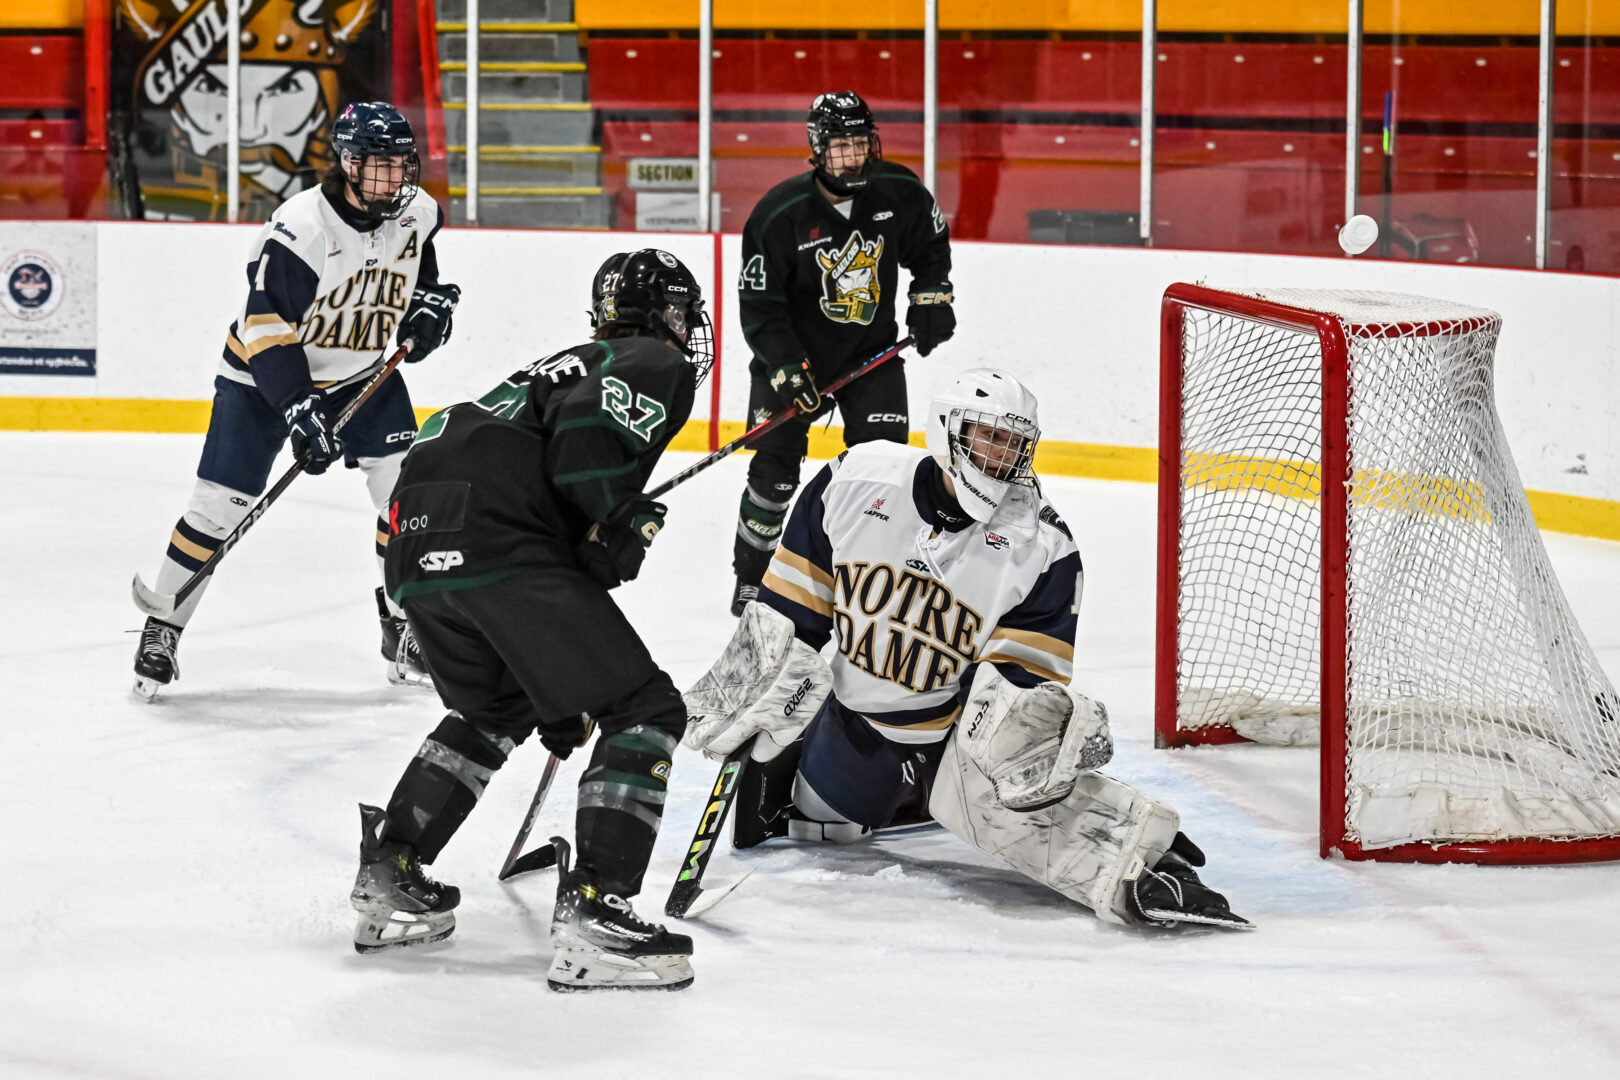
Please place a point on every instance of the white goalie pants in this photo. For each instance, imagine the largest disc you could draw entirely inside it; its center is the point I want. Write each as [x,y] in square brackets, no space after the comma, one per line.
[1087,846]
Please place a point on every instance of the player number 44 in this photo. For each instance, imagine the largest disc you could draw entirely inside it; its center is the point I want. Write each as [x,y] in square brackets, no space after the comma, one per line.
[753,274]
[616,400]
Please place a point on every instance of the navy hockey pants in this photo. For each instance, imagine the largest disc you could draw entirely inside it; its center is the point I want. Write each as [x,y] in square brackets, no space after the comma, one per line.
[859,773]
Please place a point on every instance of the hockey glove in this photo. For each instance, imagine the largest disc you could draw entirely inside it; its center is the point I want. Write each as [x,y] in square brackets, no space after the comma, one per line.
[311,433]
[428,319]
[794,384]
[930,317]
[612,554]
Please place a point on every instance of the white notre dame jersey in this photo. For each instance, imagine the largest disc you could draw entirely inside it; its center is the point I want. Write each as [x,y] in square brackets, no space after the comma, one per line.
[320,287]
[910,606]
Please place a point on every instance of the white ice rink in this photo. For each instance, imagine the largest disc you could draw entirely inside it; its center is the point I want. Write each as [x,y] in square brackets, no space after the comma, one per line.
[177,875]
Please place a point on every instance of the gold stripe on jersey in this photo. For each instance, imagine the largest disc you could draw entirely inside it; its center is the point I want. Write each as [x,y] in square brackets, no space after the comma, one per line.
[927,725]
[1044,642]
[998,657]
[805,567]
[253,322]
[801,596]
[382,538]
[246,352]
[196,551]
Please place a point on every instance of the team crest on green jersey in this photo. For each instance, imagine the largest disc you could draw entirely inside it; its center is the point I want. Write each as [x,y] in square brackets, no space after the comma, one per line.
[849,280]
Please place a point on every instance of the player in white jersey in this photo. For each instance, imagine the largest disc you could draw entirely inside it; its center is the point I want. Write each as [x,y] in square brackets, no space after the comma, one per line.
[950,588]
[336,276]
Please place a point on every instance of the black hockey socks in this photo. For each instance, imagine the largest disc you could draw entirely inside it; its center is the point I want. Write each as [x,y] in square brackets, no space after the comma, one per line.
[621,802]
[759,527]
[442,784]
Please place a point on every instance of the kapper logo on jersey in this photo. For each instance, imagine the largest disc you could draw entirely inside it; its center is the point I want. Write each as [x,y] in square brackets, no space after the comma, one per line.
[849,280]
[915,633]
[876,510]
[33,286]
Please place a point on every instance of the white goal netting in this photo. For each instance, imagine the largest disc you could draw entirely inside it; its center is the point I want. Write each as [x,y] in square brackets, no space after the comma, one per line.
[1475,709]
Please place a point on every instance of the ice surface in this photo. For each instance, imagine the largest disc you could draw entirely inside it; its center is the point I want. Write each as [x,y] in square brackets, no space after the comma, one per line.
[177,874]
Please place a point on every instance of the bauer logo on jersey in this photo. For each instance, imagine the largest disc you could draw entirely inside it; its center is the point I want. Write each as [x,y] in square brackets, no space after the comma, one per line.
[849,280]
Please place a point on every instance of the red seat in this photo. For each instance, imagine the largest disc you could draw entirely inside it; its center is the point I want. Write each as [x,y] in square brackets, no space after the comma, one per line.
[43,71]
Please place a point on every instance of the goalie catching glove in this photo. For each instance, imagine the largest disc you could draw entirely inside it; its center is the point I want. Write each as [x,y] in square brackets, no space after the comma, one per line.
[1032,742]
[766,682]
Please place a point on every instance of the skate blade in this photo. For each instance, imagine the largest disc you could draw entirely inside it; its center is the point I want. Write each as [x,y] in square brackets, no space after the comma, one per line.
[146,689]
[398,676]
[1170,920]
[582,970]
[400,930]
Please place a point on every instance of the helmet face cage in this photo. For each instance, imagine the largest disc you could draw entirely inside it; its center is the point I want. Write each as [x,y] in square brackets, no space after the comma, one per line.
[377,195]
[999,445]
[842,115]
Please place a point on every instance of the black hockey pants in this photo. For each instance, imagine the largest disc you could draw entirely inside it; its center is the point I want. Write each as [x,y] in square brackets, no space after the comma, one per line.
[873,409]
[537,651]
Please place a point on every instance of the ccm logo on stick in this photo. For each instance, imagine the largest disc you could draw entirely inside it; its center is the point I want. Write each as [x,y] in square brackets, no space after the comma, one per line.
[440,560]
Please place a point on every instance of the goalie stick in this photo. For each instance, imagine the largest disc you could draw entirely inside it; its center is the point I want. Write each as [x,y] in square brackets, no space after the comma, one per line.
[163,607]
[779,419]
[544,855]
[684,894]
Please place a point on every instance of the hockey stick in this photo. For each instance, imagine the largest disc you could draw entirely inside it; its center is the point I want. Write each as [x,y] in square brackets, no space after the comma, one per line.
[163,607]
[776,421]
[543,856]
[683,895]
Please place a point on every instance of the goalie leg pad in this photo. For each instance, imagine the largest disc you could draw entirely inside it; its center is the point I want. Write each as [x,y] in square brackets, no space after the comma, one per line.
[1032,742]
[766,682]
[1089,847]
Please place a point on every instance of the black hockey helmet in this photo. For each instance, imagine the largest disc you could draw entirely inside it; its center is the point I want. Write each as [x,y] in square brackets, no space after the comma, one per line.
[654,290]
[369,129]
[842,115]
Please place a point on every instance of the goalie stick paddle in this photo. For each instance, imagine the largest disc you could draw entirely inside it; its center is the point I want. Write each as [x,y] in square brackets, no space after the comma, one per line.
[779,419]
[544,855]
[683,895]
[163,607]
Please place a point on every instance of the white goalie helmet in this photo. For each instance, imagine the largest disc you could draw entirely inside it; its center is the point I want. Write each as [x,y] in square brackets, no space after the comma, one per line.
[982,429]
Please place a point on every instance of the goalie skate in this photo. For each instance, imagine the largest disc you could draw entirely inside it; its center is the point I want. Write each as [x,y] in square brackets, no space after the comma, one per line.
[398,903]
[1171,895]
[602,944]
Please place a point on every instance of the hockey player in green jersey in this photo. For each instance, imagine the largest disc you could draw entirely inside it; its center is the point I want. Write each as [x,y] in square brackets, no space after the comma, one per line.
[513,517]
[822,254]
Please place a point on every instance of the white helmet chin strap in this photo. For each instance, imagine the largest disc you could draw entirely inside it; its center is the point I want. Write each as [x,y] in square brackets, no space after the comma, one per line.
[979,495]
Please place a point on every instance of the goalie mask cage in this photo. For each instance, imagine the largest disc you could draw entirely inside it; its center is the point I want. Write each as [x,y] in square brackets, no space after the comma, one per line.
[1347,556]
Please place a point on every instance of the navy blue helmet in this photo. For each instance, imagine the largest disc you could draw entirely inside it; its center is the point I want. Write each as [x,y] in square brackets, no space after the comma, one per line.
[842,115]
[375,129]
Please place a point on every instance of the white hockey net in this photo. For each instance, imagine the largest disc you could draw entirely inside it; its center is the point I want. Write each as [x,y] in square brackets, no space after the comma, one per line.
[1475,711]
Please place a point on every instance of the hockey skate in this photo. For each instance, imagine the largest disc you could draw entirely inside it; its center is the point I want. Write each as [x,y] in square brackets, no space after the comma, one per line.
[1170,895]
[602,944]
[406,666]
[398,903]
[155,663]
[742,595]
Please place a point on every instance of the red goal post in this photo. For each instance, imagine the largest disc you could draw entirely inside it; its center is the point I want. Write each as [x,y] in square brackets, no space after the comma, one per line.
[1344,542]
